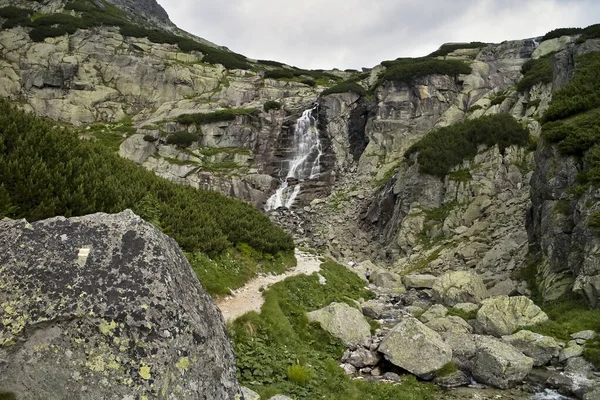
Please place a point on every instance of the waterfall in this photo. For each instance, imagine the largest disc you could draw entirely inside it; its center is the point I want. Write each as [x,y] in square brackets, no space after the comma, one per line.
[305,164]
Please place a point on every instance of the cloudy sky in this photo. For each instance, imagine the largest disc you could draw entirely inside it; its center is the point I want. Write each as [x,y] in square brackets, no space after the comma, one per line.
[361,33]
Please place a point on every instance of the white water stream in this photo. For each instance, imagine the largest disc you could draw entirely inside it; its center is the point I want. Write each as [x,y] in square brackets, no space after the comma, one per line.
[305,164]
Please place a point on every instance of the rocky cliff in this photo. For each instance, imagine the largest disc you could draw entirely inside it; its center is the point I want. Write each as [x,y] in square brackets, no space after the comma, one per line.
[223,122]
[106,306]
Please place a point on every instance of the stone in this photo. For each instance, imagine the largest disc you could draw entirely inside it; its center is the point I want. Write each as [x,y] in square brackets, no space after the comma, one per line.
[391,376]
[110,303]
[467,307]
[419,281]
[361,357]
[574,350]
[450,324]
[585,335]
[453,380]
[387,280]
[435,311]
[540,348]
[249,394]
[416,348]
[349,369]
[574,384]
[344,322]
[505,288]
[499,364]
[137,149]
[373,308]
[464,348]
[592,394]
[280,397]
[459,287]
[503,315]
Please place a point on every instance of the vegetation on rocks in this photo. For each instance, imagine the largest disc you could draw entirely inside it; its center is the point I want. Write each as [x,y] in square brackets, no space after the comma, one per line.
[536,71]
[345,87]
[279,351]
[592,31]
[448,48]
[271,105]
[183,139]
[440,150]
[46,171]
[217,116]
[407,69]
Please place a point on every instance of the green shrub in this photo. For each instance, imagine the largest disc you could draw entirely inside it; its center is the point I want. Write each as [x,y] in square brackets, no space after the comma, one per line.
[446,370]
[279,73]
[582,92]
[463,314]
[271,63]
[150,138]
[183,139]
[475,108]
[591,352]
[442,149]
[534,103]
[536,71]
[271,105]
[498,100]
[446,49]
[345,87]
[556,33]
[217,116]
[594,221]
[299,374]
[12,12]
[407,69]
[308,82]
[70,177]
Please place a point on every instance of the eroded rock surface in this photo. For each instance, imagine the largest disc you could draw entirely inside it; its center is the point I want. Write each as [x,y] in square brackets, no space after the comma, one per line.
[106,306]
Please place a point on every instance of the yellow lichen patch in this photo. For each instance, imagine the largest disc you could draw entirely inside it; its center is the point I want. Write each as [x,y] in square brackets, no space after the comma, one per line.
[145,306]
[145,372]
[96,364]
[107,328]
[183,363]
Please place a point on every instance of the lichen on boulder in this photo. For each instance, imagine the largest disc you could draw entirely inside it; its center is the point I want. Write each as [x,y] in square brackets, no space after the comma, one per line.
[106,306]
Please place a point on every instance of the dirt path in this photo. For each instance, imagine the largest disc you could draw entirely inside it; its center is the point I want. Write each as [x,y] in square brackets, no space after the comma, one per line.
[249,297]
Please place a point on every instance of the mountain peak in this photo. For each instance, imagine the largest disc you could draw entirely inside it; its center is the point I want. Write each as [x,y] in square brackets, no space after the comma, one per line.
[144,8]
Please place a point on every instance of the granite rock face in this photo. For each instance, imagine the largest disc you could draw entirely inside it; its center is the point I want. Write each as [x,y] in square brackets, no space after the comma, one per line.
[344,322]
[106,306]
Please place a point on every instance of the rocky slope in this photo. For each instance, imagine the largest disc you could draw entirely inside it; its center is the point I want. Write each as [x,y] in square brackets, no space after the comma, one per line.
[106,306]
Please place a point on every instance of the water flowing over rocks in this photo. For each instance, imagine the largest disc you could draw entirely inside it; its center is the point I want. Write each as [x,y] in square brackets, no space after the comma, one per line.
[106,306]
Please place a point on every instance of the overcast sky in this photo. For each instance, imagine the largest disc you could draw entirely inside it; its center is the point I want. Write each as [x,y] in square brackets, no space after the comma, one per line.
[361,33]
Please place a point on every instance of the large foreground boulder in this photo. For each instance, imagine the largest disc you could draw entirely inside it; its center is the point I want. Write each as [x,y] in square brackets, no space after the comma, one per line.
[416,348]
[539,347]
[459,287]
[499,364]
[106,307]
[344,322]
[503,315]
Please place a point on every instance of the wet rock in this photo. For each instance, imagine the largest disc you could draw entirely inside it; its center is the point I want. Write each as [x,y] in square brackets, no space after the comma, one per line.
[499,364]
[109,303]
[540,348]
[459,287]
[503,315]
[344,322]
[416,348]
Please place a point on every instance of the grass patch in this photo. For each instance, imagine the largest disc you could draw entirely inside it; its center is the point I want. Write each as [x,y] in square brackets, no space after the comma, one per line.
[230,270]
[463,314]
[442,149]
[278,351]
[475,107]
[460,175]
[446,370]
[446,49]
[217,116]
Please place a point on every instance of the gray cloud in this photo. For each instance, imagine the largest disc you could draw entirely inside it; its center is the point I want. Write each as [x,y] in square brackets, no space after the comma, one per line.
[358,33]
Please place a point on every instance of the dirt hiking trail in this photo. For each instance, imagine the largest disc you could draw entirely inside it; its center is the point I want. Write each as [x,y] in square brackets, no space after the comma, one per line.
[249,297]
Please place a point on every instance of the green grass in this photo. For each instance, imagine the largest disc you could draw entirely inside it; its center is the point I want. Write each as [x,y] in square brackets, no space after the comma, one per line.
[462,314]
[440,150]
[567,316]
[446,370]
[271,105]
[446,49]
[232,269]
[279,351]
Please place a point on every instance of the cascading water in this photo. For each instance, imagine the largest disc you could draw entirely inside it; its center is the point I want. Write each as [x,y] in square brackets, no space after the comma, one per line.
[305,163]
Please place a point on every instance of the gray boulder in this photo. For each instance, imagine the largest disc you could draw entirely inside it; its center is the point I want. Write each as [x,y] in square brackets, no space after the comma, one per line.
[541,348]
[344,322]
[419,281]
[106,306]
[502,315]
[572,350]
[504,288]
[249,394]
[280,397]
[388,280]
[416,348]
[373,309]
[459,287]
[361,357]
[499,364]
[434,312]
[450,324]
[464,348]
